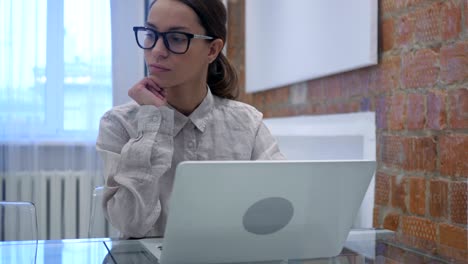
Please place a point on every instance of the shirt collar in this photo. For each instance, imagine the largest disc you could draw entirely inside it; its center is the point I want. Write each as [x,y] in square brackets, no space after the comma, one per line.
[202,113]
[179,121]
[199,117]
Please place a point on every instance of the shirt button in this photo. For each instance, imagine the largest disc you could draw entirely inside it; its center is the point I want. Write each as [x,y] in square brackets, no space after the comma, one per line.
[190,144]
[155,119]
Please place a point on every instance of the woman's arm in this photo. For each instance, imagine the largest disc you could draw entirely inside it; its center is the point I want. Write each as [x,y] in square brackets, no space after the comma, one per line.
[133,166]
[265,145]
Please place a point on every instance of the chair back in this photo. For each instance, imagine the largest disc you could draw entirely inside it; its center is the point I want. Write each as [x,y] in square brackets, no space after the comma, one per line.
[18,232]
[98,224]
[18,221]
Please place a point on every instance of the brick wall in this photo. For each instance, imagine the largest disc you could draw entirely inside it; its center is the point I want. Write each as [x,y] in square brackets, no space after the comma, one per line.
[419,91]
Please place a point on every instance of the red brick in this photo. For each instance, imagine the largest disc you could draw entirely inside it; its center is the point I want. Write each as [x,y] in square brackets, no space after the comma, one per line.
[342,107]
[436,113]
[236,36]
[419,227]
[454,62]
[458,202]
[411,3]
[375,217]
[466,15]
[391,221]
[453,236]
[405,31]
[427,23]
[454,254]
[353,81]
[438,198]
[248,99]
[382,188]
[451,20]
[353,106]
[331,108]
[421,154]
[459,108]
[418,242]
[267,113]
[284,111]
[388,6]
[236,28]
[454,155]
[387,34]
[393,254]
[388,74]
[399,192]
[409,153]
[411,257]
[381,119]
[393,151]
[378,148]
[273,97]
[315,91]
[397,112]
[258,99]
[417,193]
[268,97]
[333,87]
[314,109]
[420,69]
[370,76]
[416,111]
[281,95]
[365,104]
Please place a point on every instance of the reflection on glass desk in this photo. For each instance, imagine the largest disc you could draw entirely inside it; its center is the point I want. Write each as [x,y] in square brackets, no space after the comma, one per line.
[362,246]
[131,251]
[54,251]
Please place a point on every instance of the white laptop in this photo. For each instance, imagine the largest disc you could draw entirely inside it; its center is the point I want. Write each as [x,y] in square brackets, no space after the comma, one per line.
[244,211]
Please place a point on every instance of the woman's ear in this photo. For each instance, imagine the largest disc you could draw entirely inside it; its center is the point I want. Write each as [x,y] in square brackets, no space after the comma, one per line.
[215,48]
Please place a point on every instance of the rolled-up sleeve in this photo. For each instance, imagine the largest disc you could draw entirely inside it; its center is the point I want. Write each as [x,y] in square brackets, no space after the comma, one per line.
[133,163]
[265,145]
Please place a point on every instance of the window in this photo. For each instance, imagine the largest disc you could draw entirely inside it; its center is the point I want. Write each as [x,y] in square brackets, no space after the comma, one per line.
[55,71]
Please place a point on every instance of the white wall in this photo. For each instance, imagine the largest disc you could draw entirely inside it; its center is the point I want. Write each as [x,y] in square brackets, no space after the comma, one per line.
[127,57]
[289,41]
[330,137]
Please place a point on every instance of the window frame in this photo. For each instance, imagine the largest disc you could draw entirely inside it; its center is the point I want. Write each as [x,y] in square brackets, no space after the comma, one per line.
[51,129]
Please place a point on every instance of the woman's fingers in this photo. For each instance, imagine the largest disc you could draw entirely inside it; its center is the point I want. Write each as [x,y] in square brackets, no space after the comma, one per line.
[155,89]
[136,89]
[147,92]
[152,83]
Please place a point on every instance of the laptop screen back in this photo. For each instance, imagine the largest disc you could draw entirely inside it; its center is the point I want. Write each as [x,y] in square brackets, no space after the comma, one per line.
[238,211]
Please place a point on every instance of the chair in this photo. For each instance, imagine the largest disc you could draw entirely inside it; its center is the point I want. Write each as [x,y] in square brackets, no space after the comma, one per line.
[18,232]
[98,224]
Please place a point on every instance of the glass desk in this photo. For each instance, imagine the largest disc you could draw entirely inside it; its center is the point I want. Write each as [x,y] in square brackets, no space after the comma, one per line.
[54,251]
[362,246]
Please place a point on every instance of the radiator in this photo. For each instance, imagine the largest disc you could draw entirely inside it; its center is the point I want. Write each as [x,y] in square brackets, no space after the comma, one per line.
[63,201]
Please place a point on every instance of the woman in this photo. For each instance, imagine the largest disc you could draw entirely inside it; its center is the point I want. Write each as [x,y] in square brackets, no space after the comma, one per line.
[182,111]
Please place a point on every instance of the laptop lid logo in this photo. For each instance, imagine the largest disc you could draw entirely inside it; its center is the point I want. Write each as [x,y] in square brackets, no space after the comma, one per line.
[268,216]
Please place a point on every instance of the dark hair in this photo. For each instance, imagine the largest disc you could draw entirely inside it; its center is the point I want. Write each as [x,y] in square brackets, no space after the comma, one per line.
[222,77]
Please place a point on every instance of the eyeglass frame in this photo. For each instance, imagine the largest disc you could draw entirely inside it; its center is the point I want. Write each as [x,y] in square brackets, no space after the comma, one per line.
[158,34]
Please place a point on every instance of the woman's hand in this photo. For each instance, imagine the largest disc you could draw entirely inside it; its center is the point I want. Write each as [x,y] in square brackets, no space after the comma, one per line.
[147,92]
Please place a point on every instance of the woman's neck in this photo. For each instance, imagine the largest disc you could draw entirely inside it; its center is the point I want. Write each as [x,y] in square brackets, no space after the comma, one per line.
[185,98]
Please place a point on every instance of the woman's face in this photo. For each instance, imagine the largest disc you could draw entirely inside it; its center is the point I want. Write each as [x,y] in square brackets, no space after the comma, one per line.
[167,68]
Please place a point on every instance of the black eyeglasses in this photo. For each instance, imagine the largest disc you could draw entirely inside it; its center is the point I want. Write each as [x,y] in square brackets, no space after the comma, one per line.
[175,41]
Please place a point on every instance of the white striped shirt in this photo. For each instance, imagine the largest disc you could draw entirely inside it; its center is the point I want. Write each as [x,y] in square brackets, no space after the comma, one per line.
[142,145]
